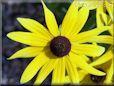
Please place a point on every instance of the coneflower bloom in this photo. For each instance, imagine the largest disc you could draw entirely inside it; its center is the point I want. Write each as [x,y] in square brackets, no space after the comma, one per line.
[95,80]
[56,49]
[104,16]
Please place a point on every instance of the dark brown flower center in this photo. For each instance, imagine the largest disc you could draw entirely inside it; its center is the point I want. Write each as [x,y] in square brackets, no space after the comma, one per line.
[98,79]
[60,46]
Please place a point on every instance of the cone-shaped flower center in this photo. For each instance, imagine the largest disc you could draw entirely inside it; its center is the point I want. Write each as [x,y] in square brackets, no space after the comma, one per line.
[98,79]
[60,46]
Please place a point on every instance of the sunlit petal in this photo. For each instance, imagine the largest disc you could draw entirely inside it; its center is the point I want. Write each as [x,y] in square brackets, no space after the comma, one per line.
[110,73]
[59,73]
[27,38]
[33,67]
[67,79]
[87,35]
[70,20]
[88,49]
[73,19]
[72,71]
[45,71]
[102,39]
[26,52]
[109,8]
[82,74]
[105,18]
[111,30]
[50,21]
[84,65]
[105,58]
[81,20]
[99,19]
[34,26]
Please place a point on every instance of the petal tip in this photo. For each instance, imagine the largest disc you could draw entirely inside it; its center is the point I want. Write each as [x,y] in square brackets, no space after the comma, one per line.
[8,35]
[42,1]
[101,73]
[23,80]
[44,6]
[102,50]
[20,19]
[9,58]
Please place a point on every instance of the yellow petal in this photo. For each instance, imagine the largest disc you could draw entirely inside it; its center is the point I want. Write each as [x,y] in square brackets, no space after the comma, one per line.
[72,71]
[62,71]
[67,80]
[88,49]
[87,35]
[85,58]
[84,65]
[110,10]
[82,74]
[102,39]
[33,67]
[105,58]
[55,75]
[34,27]
[110,73]
[87,81]
[105,18]
[27,38]
[26,52]
[70,19]
[58,76]
[111,30]
[50,21]
[45,71]
[99,19]
[81,20]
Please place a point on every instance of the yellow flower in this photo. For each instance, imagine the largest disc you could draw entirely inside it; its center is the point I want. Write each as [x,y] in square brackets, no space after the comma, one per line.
[92,79]
[104,19]
[57,49]
[105,62]
[102,6]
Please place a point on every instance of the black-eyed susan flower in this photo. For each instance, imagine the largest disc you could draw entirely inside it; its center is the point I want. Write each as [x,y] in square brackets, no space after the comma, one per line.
[105,62]
[57,49]
[105,18]
[93,79]
[105,13]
